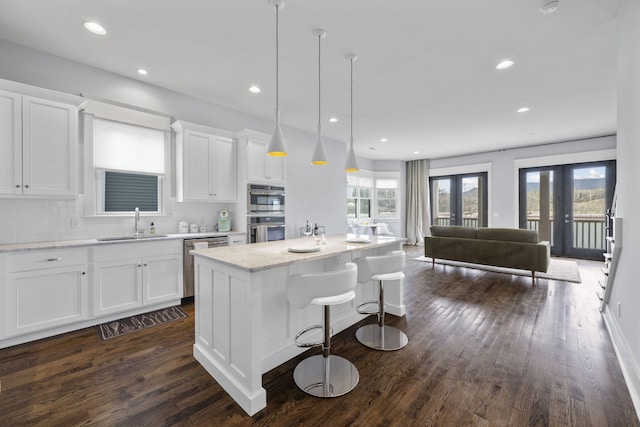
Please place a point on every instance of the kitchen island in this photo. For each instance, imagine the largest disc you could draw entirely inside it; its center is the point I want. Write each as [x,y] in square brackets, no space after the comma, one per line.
[244,325]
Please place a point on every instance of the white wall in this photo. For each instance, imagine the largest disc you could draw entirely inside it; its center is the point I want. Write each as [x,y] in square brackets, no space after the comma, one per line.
[313,193]
[623,324]
[503,178]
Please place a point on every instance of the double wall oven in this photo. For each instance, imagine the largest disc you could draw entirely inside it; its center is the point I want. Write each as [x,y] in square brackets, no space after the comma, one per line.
[265,215]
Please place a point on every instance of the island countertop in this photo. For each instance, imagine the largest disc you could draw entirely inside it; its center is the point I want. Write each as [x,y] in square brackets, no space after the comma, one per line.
[261,256]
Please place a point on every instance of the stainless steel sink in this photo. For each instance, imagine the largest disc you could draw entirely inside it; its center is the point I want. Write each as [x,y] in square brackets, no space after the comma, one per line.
[116,238]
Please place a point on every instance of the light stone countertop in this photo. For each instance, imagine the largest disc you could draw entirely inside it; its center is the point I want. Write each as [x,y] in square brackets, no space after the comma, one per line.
[262,256]
[63,244]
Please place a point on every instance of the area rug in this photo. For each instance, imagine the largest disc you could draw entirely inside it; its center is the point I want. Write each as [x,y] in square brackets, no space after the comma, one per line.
[559,269]
[127,325]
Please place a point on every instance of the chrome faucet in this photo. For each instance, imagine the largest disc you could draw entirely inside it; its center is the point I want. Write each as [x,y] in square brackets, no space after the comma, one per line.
[136,216]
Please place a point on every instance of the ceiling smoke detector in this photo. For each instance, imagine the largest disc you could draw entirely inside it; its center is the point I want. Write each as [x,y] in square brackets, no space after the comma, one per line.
[549,6]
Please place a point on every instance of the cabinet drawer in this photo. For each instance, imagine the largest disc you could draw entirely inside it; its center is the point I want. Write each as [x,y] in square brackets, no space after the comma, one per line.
[129,250]
[39,260]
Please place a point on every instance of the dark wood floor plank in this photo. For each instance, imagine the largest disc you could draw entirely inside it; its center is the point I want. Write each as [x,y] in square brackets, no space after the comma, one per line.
[485,349]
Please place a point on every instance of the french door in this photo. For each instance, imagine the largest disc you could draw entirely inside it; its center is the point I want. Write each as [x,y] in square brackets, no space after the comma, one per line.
[566,204]
[459,200]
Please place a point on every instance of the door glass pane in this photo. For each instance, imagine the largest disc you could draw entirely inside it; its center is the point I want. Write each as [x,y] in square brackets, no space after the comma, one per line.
[470,201]
[588,207]
[442,201]
[540,204]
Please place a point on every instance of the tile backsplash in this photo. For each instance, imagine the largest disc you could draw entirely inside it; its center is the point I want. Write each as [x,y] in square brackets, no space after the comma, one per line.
[35,220]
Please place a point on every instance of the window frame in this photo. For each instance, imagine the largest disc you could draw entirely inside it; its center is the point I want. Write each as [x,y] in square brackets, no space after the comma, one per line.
[93,184]
[357,179]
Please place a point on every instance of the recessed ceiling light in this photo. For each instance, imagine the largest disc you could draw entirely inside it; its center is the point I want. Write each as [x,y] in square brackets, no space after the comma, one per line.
[142,71]
[503,65]
[523,109]
[95,28]
[254,89]
[333,120]
[416,152]
[383,140]
[549,6]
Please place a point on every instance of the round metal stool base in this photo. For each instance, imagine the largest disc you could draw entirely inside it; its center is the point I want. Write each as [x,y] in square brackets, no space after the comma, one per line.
[341,376]
[385,338]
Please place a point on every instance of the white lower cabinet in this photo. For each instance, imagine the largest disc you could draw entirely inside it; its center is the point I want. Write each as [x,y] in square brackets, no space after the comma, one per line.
[162,278]
[46,289]
[128,276]
[48,292]
[117,286]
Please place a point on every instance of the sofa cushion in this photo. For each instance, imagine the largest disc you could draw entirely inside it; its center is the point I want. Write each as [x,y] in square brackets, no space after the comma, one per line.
[453,231]
[508,234]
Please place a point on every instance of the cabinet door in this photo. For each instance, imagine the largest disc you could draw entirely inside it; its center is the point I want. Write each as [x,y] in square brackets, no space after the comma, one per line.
[50,136]
[263,168]
[256,163]
[196,168]
[274,168]
[42,299]
[162,278]
[224,169]
[10,143]
[117,286]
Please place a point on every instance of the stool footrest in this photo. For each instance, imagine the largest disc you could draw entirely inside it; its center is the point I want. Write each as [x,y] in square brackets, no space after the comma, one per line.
[307,330]
[361,310]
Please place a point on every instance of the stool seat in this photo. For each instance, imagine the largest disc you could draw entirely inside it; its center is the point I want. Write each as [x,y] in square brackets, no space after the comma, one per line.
[381,269]
[388,276]
[324,375]
[334,300]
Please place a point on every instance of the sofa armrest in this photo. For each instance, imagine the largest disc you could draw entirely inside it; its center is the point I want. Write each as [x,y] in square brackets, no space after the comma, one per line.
[544,256]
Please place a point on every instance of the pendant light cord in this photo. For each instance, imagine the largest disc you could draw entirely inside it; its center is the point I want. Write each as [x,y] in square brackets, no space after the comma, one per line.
[277,58]
[351,102]
[319,91]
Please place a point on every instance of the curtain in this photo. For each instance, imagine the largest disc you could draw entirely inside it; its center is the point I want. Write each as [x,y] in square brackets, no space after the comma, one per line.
[418,209]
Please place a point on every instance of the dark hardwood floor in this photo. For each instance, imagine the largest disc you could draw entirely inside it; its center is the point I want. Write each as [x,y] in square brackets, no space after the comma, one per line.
[484,349]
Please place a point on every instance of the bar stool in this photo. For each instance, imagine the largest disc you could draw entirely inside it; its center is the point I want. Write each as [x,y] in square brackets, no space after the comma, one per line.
[380,268]
[324,375]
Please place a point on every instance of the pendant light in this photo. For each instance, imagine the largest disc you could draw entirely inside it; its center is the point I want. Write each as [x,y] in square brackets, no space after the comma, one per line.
[319,154]
[277,147]
[351,164]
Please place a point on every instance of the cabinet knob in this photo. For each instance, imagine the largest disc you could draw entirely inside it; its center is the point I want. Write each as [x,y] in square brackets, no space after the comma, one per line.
[145,265]
[139,265]
[17,185]
[54,259]
[84,272]
[26,186]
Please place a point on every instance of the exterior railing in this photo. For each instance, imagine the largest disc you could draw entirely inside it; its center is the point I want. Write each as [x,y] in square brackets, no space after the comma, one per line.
[467,222]
[588,230]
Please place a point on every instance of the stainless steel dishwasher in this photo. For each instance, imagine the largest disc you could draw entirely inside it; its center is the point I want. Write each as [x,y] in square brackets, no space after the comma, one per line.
[188,277]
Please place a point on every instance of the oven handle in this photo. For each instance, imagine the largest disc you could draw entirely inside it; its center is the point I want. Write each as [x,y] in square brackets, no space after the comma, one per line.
[268,225]
[266,193]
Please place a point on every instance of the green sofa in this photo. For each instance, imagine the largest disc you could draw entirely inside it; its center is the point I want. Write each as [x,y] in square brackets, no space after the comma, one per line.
[501,247]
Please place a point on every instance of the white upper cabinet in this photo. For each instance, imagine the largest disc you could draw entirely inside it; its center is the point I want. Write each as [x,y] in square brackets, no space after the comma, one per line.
[38,141]
[260,167]
[10,143]
[205,164]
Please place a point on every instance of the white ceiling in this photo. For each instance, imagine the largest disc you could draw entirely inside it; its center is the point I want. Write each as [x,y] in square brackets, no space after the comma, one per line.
[425,77]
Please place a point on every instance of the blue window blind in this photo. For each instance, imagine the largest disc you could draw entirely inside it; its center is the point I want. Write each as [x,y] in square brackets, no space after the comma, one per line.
[123,192]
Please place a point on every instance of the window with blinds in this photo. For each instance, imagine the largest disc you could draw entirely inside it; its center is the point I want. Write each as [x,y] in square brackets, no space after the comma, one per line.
[129,162]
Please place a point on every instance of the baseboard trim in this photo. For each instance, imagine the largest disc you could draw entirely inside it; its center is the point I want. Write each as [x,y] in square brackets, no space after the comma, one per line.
[628,364]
